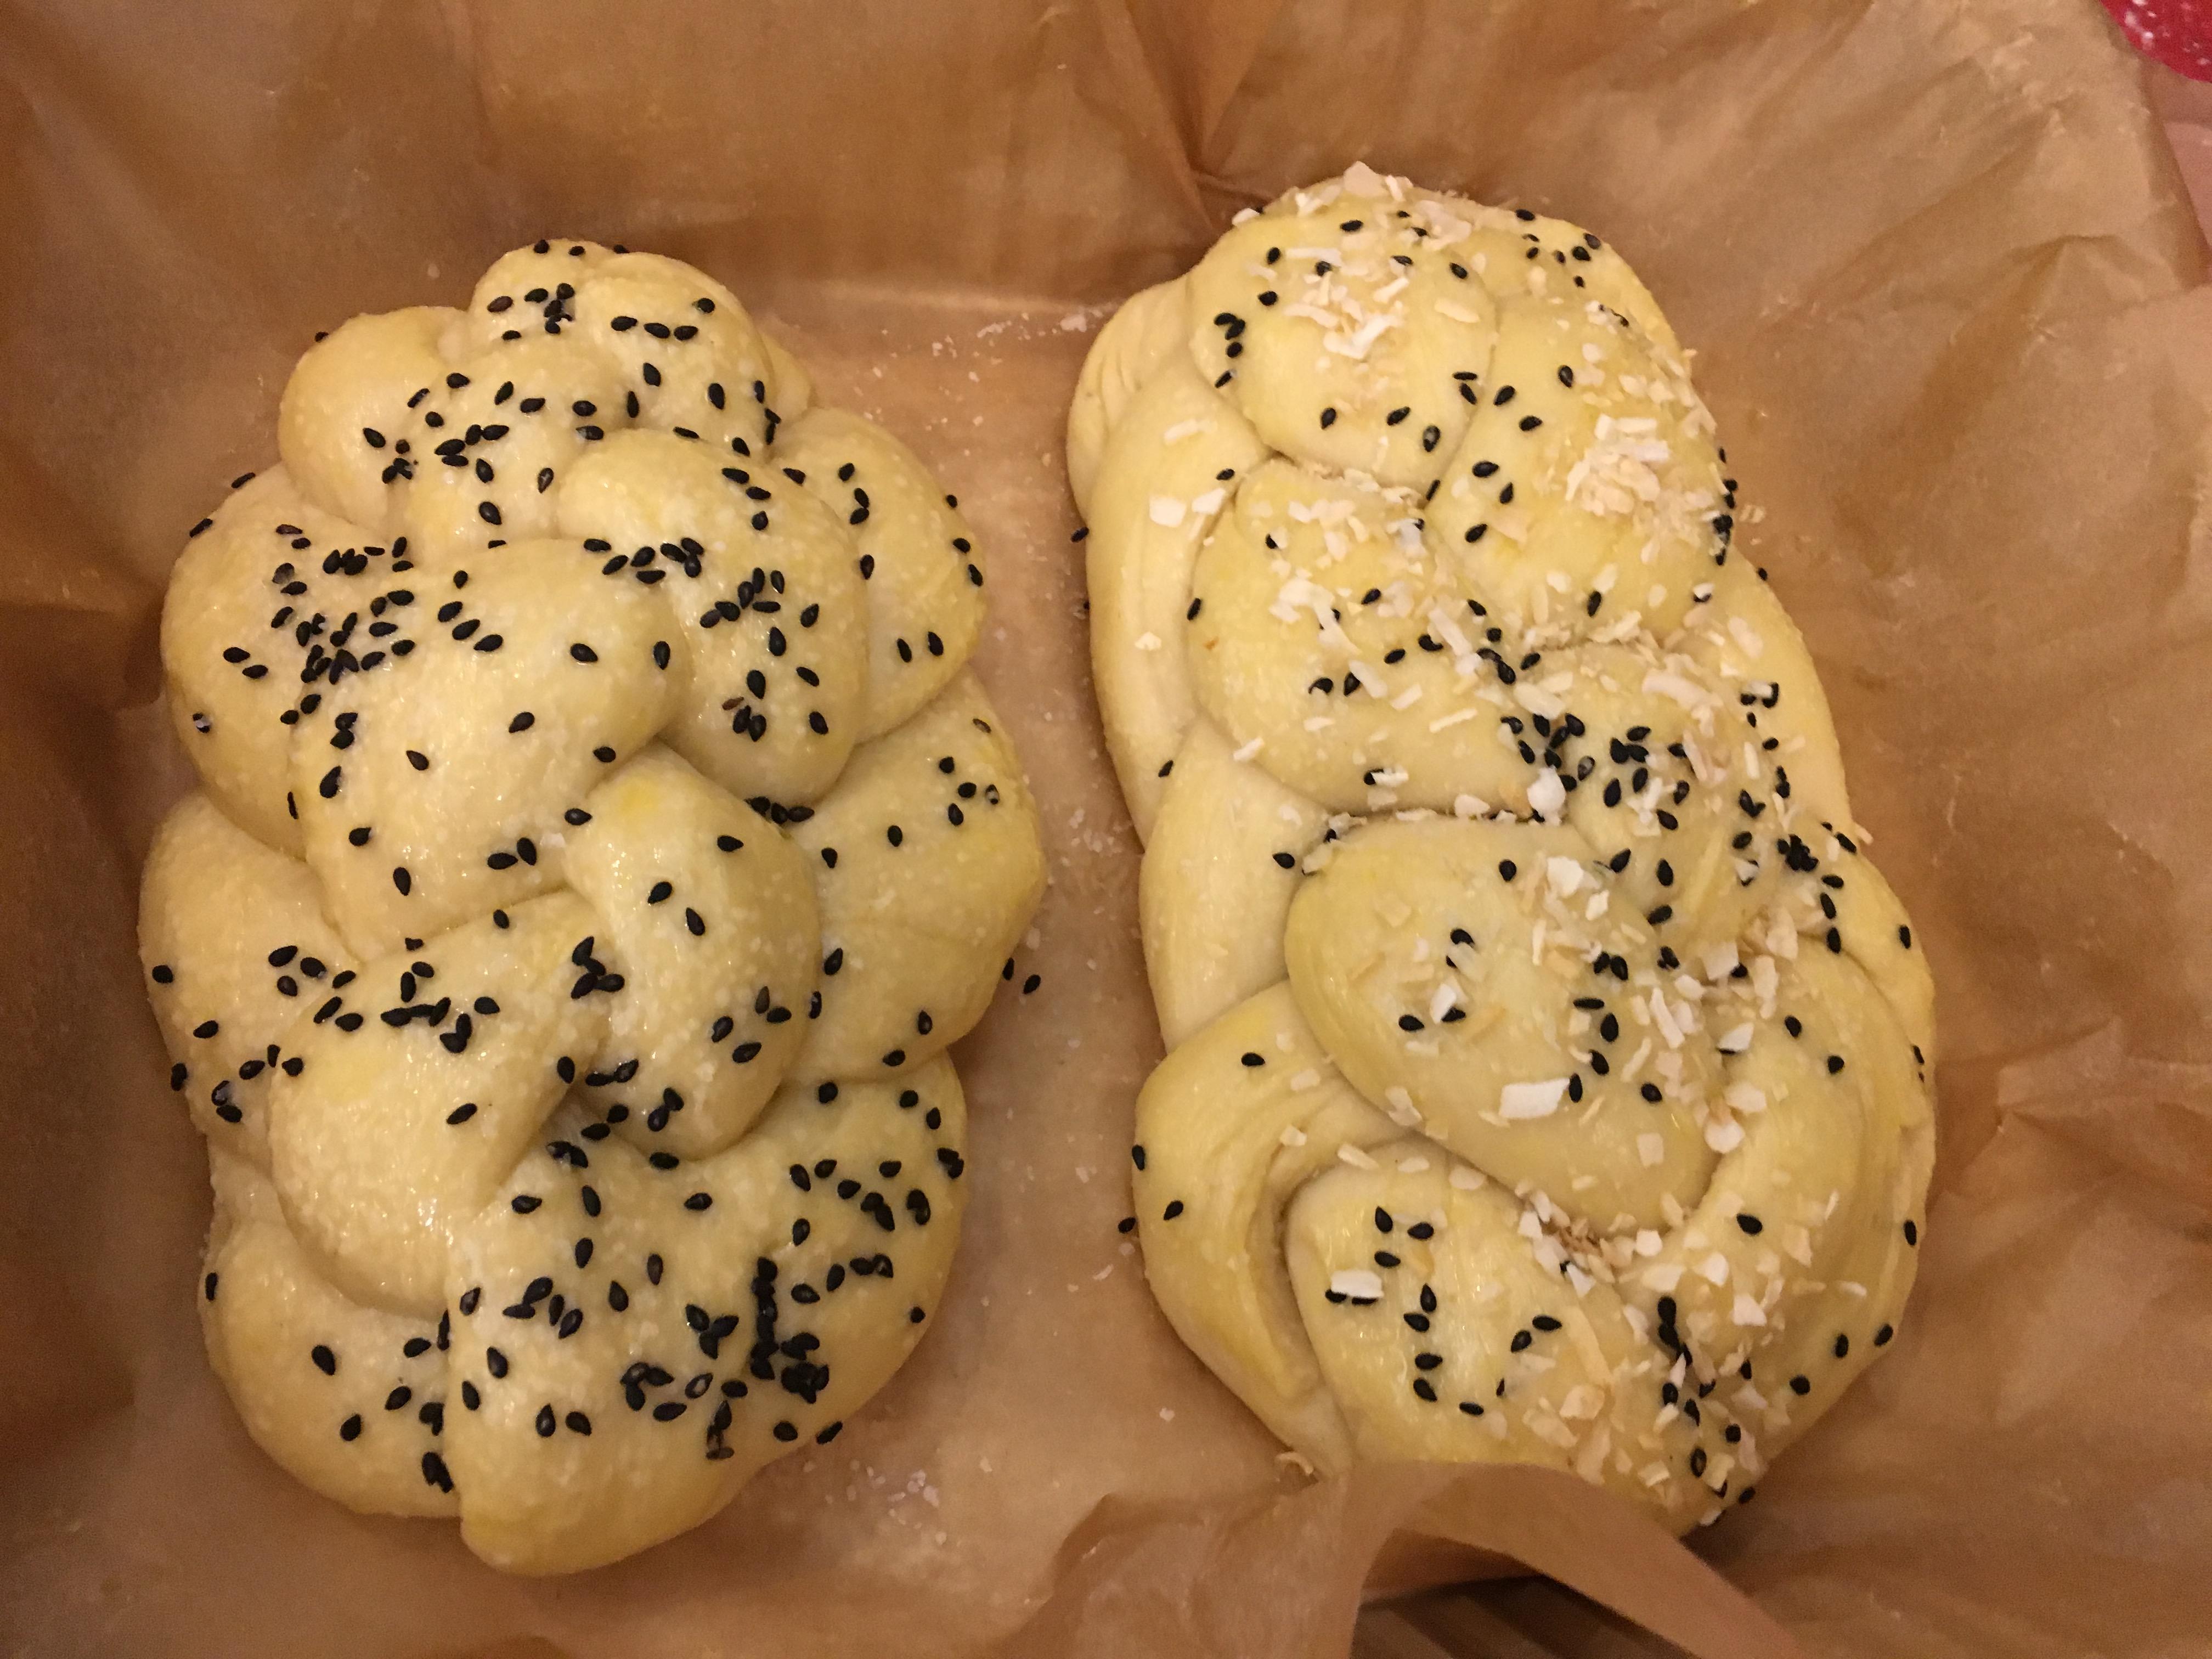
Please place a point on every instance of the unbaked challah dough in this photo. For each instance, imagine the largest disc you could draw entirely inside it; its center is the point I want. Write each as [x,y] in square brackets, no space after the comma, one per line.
[1547,1070]
[600,840]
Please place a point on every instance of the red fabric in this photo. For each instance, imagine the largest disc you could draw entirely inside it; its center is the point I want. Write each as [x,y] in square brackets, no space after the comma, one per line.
[2177,33]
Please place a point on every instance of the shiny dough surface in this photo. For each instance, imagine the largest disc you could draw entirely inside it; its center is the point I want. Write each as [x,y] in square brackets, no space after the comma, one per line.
[600,840]
[1548,1068]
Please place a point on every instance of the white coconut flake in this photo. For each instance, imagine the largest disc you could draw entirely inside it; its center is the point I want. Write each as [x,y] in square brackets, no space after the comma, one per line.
[1169,511]
[1548,794]
[1747,1311]
[1518,1101]
[1360,179]
[1356,1285]
[1443,722]
[1744,1098]
[1401,1110]
[1688,693]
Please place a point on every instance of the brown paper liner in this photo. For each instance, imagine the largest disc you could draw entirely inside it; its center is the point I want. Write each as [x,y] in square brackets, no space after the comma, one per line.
[1948,295]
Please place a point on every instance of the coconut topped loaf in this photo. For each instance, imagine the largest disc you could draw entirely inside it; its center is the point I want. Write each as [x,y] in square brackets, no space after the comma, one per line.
[600,839]
[1548,1068]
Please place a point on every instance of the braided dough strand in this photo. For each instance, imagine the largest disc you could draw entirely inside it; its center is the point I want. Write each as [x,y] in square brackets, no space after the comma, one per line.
[600,840]
[1547,1070]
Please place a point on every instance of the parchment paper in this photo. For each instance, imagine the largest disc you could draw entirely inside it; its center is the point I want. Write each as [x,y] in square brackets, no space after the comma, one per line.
[1948,300]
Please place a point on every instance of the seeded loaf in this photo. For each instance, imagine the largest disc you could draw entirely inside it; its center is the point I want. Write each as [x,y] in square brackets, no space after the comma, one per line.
[1547,1070]
[599,841]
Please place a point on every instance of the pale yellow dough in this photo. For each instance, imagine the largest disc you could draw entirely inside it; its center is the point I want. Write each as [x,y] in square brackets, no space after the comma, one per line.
[622,1469]
[232,937]
[1220,870]
[917,560]
[1548,1071]
[798,646]
[929,868]
[600,839]
[343,1395]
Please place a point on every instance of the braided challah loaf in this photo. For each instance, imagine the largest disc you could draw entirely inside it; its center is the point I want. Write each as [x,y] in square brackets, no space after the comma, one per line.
[600,840]
[1547,1070]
